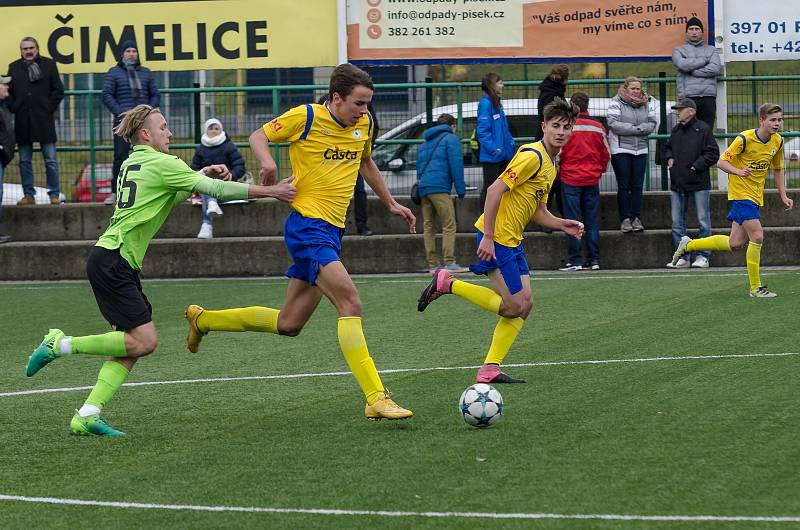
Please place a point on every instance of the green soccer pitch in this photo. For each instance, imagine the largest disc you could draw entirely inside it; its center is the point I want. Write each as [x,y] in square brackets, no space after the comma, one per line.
[654,400]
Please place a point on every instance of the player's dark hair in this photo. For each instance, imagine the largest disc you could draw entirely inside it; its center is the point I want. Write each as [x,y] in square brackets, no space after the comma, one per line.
[488,85]
[132,121]
[560,109]
[29,39]
[768,108]
[345,78]
[580,100]
[446,119]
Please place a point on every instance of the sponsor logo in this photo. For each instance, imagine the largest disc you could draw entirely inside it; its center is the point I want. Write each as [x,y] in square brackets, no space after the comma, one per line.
[511,175]
[760,164]
[275,125]
[339,154]
[326,132]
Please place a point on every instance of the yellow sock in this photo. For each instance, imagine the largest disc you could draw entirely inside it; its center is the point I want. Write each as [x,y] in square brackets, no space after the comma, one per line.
[354,347]
[478,295]
[754,265]
[709,243]
[254,318]
[505,333]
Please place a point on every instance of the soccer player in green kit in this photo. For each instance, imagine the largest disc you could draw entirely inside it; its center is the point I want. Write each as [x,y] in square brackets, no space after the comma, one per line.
[151,183]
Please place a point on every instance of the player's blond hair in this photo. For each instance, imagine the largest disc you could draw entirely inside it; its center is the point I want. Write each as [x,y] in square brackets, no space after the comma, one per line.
[133,120]
[768,108]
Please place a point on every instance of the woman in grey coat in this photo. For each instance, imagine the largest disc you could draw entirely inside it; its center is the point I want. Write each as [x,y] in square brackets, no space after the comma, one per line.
[631,118]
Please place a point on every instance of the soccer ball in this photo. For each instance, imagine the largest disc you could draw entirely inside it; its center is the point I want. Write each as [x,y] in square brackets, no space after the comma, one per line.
[481,405]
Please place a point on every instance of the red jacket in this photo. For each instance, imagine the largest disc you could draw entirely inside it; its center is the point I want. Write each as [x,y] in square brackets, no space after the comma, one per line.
[585,156]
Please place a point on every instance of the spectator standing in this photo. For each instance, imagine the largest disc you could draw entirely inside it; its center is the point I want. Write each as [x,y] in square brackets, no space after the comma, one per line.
[215,148]
[126,85]
[35,92]
[553,86]
[583,159]
[7,142]
[496,143]
[690,153]
[440,166]
[698,66]
[631,118]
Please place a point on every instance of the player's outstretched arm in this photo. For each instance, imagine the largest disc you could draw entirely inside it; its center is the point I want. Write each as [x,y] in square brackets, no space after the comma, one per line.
[372,176]
[283,190]
[259,145]
[543,217]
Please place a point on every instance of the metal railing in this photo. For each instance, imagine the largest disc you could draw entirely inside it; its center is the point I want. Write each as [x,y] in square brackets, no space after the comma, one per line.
[85,144]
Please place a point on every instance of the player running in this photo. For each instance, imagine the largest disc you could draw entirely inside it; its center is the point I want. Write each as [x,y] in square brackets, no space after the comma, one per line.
[151,183]
[330,145]
[747,161]
[516,197]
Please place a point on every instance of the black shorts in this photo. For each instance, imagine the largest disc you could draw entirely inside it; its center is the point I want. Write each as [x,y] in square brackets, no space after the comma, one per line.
[117,289]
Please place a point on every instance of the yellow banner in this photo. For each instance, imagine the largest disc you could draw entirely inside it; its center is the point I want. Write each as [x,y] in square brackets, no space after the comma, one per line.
[179,35]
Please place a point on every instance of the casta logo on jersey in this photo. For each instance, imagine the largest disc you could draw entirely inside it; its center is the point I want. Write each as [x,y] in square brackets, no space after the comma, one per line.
[339,154]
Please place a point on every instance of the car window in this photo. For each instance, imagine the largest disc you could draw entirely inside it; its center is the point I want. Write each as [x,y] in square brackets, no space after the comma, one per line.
[383,153]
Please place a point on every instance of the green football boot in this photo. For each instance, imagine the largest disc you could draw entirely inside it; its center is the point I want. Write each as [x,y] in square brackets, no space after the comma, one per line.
[92,425]
[46,353]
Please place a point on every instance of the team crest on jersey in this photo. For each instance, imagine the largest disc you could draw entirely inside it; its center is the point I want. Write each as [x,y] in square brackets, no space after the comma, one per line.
[326,132]
[275,125]
[356,134]
[511,175]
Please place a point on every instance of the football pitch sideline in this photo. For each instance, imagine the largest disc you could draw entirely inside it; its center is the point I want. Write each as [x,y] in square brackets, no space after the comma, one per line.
[654,400]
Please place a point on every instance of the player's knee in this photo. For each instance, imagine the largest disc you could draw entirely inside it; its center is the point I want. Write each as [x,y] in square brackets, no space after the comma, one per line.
[290,330]
[527,307]
[757,239]
[144,346]
[351,307]
[736,245]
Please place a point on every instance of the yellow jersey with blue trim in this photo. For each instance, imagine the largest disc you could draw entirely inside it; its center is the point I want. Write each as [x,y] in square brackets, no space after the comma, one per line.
[529,176]
[325,154]
[749,151]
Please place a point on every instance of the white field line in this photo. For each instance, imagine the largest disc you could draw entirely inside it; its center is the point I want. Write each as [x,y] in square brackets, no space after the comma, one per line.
[407,370]
[387,513]
[423,278]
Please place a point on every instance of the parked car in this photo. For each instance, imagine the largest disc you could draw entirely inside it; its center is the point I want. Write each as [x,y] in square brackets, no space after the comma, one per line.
[103,173]
[13,192]
[397,162]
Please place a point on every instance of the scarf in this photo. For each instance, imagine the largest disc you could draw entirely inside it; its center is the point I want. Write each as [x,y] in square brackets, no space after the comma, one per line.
[34,72]
[133,78]
[208,141]
[628,97]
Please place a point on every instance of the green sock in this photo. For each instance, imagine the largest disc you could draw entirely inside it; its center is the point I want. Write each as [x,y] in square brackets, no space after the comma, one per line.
[111,376]
[111,343]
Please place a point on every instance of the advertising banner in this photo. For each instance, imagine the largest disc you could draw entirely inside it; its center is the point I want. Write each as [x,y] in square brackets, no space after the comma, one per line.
[473,30]
[768,30]
[175,35]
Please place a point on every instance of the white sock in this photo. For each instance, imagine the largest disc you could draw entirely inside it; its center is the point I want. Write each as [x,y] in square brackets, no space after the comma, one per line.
[88,410]
[65,346]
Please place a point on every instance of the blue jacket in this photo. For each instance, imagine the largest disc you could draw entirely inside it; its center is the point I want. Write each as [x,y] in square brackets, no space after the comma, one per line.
[224,153]
[493,133]
[117,95]
[442,160]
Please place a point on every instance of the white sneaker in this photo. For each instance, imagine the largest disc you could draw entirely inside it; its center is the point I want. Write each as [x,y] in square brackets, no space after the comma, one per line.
[212,208]
[569,267]
[206,231]
[700,263]
[680,264]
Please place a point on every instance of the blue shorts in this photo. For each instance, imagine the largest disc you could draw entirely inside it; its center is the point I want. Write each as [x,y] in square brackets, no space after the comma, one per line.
[742,211]
[511,262]
[311,243]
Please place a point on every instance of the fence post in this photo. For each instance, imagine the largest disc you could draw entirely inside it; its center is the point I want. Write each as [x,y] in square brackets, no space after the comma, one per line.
[429,101]
[92,155]
[754,90]
[196,107]
[662,128]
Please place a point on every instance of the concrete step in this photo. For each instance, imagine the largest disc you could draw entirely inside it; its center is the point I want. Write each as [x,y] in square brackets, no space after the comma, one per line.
[265,218]
[266,256]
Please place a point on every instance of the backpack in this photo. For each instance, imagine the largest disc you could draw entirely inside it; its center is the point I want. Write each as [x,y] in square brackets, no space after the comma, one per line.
[7,141]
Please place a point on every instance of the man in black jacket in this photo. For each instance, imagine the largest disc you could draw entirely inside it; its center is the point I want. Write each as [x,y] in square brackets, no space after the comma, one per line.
[7,142]
[690,153]
[35,93]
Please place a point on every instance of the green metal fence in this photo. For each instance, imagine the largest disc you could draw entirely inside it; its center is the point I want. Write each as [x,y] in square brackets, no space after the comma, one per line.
[85,139]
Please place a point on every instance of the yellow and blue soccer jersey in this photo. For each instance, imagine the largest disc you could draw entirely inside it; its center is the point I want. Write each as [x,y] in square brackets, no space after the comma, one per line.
[748,151]
[529,176]
[325,155]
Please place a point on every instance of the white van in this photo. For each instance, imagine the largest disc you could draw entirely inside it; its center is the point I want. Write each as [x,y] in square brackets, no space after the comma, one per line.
[398,162]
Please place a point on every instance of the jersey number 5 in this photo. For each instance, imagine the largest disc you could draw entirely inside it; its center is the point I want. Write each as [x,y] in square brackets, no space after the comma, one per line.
[127,201]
